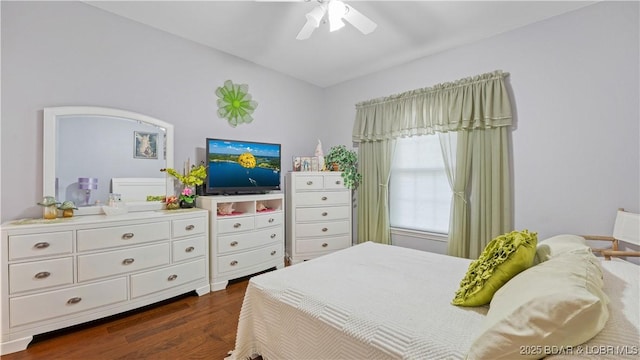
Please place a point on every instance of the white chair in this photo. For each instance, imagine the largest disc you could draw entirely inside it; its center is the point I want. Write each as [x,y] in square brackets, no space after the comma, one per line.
[626,229]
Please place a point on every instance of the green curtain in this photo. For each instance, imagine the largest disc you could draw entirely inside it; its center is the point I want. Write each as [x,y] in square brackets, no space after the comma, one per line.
[480,175]
[374,163]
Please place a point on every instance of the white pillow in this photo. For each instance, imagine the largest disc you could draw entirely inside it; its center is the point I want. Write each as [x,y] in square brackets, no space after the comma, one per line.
[559,302]
[558,245]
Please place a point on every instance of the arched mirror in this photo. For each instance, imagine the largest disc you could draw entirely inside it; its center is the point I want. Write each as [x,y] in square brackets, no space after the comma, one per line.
[90,152]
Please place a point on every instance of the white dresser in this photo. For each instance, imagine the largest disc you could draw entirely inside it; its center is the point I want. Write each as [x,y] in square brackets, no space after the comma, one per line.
[67,271]
[247,241]
[318,214]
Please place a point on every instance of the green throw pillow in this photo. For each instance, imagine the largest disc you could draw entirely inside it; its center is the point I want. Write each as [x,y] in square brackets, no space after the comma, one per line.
[503,258]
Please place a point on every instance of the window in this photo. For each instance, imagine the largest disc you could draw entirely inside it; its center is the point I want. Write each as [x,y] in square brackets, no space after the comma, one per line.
[419,192]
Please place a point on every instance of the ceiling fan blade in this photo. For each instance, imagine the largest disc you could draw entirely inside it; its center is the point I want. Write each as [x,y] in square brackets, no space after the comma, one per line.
[359,21]
[306,31]
[314,17]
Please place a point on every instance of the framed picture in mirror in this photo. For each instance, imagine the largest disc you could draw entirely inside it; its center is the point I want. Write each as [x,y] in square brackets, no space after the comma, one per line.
[145,145]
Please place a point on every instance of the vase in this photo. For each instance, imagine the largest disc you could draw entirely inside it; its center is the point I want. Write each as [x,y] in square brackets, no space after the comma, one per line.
[50,212]
[173,206]
[187,205]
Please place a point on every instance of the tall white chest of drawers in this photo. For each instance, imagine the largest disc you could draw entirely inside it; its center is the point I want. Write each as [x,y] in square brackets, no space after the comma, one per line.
[319,214]
[248,240]
[68,271]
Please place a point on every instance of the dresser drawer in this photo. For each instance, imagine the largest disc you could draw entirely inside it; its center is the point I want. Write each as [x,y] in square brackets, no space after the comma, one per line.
[323,213]
[268,220]
[48,305]
[40,274]
[324,244]
[103,238]
[322,229]
[165,278]
[187,227]
[240,261]
[235,224]
[33,245]
[189,248]
[321,198]
[333,182]
[309,182]
[240,242]
[109,263]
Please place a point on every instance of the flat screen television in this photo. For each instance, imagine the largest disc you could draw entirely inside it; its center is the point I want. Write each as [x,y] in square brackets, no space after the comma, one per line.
[242,167]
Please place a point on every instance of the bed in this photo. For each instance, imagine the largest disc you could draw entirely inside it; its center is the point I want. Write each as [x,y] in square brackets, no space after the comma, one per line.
[375,301]
[139,189]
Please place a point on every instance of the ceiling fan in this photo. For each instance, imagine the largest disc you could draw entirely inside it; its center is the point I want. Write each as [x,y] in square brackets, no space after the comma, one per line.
[335,11]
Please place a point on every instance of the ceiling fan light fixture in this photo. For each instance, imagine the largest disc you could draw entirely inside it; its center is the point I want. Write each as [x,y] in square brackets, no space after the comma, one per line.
[337,10]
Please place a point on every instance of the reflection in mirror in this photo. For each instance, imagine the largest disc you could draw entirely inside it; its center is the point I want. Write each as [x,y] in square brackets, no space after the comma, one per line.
[86,147]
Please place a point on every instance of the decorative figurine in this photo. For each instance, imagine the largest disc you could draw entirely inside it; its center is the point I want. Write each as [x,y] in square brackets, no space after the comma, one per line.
[320,155]
[67,208]
[49,207]
[225,208]
[260,206]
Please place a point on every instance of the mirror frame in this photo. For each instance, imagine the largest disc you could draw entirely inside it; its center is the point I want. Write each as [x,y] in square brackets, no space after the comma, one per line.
[49,148]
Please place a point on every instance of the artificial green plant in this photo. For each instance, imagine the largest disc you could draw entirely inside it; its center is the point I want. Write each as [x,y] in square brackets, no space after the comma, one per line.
[347,162]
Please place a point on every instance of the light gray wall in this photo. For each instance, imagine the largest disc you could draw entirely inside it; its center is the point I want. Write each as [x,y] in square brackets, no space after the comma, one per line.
[574,80]
[576,155]
[70,53]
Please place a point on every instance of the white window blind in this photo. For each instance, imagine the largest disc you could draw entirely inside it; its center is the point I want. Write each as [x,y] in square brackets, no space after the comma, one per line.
[419,192]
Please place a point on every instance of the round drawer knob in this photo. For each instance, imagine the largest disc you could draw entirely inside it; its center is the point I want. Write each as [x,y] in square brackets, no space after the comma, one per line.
[189,227]
[325,213]
[325,229]
[324,198]
[41,245]
[273,252]
[273,236]
[172,277]
[338,182]
[127,236]
[309,182]
[74,300]
[128,261]
[237,225]
[233,263]
[325,244]
[42,275]
[272,220]
[234,243]
[189,249]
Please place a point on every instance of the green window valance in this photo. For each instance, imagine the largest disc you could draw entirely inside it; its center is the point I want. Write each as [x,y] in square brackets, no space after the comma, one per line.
[472,103]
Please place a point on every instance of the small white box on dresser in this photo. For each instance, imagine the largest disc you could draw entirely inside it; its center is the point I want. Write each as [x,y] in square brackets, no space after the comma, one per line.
[63,272]
[319,214]
[248,240]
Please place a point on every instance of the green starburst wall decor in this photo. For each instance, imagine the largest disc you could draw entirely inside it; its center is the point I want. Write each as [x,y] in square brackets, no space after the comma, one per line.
[235,103]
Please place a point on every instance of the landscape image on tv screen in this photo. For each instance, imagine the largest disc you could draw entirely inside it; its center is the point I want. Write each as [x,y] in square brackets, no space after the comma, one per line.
[243,166]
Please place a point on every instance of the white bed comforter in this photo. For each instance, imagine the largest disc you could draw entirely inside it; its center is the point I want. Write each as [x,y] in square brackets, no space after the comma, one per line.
[370,301]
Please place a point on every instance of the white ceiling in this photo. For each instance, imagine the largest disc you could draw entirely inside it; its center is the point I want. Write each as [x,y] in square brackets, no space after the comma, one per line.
[264,32]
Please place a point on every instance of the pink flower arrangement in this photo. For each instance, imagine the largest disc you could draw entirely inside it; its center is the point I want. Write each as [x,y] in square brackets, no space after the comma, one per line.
[187,195]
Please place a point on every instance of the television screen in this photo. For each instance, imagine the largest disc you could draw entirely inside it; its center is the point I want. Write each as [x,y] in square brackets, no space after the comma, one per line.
[236,167]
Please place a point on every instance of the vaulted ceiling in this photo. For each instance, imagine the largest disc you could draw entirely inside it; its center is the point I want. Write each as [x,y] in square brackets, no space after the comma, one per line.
[264,32]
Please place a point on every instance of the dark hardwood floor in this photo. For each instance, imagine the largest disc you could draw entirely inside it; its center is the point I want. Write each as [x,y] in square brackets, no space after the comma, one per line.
[187,327]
